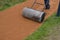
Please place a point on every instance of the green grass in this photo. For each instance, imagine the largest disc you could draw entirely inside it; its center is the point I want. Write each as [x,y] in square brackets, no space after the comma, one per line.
[43,31]
[7,3]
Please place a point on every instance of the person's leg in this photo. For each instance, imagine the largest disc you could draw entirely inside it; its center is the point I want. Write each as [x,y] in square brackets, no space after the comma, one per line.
[47,5]
[58,11]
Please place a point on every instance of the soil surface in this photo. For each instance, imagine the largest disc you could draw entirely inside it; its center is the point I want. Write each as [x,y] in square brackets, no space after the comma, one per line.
[15,27]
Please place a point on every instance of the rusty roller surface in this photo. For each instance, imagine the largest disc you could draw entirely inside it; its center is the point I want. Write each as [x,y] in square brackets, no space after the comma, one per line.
[33,14]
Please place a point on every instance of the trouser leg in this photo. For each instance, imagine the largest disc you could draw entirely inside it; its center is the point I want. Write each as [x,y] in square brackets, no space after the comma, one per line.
[47,5]
[58,11]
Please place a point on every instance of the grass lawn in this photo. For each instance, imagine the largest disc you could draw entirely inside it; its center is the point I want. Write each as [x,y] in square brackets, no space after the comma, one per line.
[50,30]
[7,3]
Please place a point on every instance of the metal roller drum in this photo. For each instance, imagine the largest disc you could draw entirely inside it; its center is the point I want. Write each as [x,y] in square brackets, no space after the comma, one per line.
[33,14]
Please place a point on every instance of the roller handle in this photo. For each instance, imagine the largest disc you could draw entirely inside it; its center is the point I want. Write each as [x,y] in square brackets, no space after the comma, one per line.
[37,3]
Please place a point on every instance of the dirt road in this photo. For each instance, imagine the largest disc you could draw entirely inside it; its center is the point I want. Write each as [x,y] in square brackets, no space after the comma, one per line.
[14,27]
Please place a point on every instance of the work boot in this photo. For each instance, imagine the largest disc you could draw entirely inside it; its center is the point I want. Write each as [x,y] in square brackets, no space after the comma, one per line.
[47,7]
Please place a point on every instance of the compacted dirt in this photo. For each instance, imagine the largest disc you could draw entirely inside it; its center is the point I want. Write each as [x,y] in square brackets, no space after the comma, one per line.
[15,27]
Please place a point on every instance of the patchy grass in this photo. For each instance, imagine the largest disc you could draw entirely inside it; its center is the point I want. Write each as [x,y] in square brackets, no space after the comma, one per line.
[7,3]
[48,28]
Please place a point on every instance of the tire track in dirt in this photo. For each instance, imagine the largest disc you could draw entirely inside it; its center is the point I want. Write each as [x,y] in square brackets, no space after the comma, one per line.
[14,27]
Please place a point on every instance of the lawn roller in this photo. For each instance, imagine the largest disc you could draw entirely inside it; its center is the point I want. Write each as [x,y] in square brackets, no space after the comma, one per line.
[34,14]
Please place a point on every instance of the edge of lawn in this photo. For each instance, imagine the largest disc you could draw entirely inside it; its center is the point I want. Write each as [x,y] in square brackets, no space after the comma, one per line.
[43,30]
[9,5]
